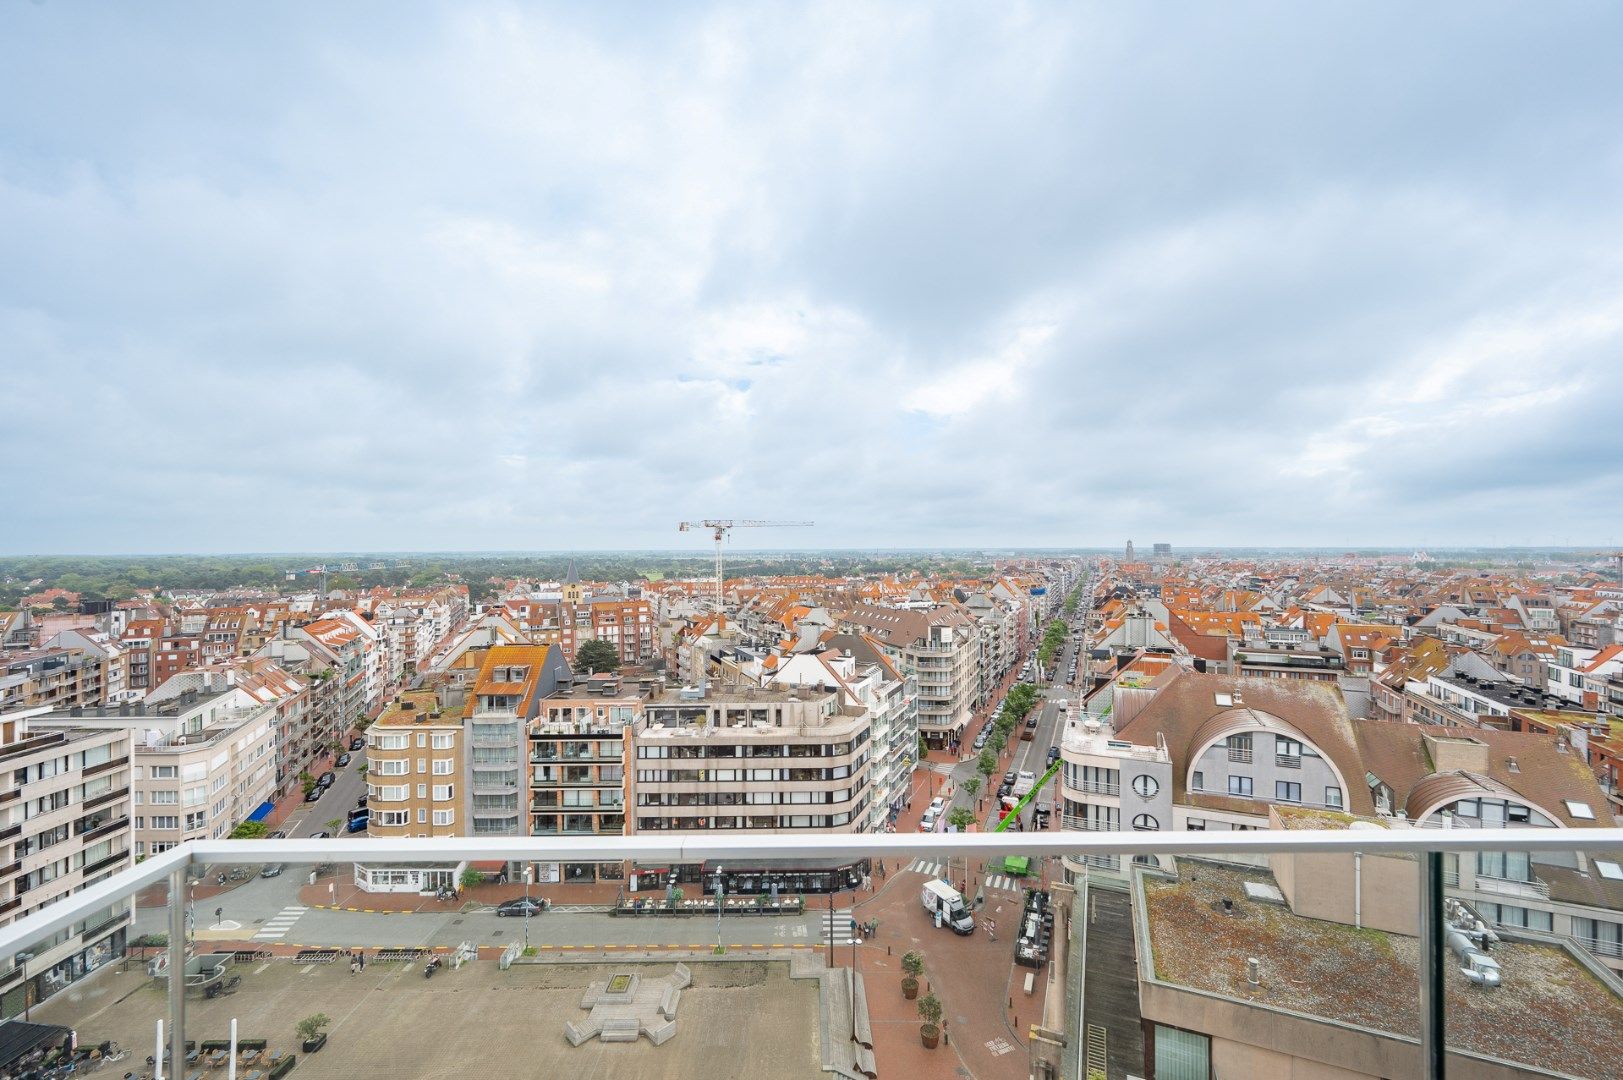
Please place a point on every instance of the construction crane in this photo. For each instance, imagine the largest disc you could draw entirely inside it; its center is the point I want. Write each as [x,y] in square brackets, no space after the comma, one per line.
[722,526]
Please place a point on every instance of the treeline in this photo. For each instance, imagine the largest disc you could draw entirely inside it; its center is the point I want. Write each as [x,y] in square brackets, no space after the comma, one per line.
[120,577]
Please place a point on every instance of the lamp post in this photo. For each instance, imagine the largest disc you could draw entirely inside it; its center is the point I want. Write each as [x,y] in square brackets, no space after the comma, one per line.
[529,875]
[22,962]
[719,895]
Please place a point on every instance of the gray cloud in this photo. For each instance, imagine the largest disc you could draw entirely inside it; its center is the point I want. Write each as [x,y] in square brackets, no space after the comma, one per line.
[501,276]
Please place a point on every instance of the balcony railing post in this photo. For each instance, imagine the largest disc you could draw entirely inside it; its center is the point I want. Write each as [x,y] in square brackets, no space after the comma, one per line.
[177,971]
[1431,965]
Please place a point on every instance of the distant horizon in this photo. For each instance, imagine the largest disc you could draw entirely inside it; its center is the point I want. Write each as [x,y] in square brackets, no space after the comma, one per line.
[708,553]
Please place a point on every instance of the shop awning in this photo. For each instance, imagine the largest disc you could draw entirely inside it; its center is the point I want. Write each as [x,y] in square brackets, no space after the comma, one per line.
[264,810]
[18,1038]
[488,865]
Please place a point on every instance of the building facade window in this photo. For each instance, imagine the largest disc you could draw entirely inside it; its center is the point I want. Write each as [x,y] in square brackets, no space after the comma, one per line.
[1182,1055]
[1287,791]
[1146,787]
[1240,785]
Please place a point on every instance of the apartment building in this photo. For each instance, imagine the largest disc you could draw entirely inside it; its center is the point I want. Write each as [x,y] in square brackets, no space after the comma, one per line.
[205,755]
[416,762]
[868,680]
[1215,753]
[627,623]
[173,653]
[64,825]
[54,678]
[17,630]
[577,755]
[940,648]
[746,758]
[505,697]
[140,638]
[115,664]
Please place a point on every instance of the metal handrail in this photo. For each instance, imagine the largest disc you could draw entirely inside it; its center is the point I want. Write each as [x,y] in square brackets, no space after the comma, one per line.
[665,848]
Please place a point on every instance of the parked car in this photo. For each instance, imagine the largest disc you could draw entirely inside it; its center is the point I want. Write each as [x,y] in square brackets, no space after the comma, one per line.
[321,834]
[316,792]
[343,759]
[523,905]
[362,800]
[937,805]
[1008,778]
[358,823]
[271,870]
[277,835]
[326,779]
[356,743]
[1053,754]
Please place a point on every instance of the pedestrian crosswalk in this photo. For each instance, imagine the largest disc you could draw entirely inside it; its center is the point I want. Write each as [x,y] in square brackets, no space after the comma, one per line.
[935,869]
[838,925]
[276,928]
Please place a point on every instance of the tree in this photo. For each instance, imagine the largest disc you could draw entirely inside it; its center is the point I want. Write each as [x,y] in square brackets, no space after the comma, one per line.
[986,764]
[333,823]
[471,877]
[973,784]
[249,830]
[930,1010]
[308,782]
[597,655]
[961,818]
[310,1027]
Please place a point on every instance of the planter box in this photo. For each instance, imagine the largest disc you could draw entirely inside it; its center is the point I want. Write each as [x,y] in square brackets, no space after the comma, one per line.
[310,1046]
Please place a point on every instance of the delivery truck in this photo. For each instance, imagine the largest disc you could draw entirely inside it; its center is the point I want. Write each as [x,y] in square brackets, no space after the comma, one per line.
[941,899]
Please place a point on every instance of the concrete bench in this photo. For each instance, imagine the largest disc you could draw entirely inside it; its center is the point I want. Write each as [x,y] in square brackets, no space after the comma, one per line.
[621,1030]
[659,1033]
[579,1033]
[668,1002]
[681,977]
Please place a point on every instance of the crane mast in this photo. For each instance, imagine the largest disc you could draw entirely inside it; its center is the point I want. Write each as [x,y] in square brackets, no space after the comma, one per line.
[720,527]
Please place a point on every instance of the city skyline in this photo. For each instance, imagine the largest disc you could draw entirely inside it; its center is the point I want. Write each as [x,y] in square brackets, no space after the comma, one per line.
[499,277]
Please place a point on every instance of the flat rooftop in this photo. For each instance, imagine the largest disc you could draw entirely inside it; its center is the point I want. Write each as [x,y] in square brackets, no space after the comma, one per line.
[425,709]
[739,1018]
[1371,979]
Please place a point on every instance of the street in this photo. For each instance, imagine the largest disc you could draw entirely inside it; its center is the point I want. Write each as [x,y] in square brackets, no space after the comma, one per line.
[336,803]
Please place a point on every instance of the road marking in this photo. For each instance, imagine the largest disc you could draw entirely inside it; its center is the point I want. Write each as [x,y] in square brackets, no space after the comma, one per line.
[998,881]
[277,927]
[922,866]
[838,922]
[999,1047]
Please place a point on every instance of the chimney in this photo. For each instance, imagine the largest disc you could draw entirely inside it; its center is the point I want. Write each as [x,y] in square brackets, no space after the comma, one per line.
[1253,972]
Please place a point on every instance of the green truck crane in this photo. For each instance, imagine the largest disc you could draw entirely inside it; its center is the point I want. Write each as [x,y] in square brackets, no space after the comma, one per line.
[1020,865]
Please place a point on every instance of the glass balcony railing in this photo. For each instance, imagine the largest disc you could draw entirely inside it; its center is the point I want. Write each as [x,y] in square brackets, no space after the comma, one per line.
[1057,952]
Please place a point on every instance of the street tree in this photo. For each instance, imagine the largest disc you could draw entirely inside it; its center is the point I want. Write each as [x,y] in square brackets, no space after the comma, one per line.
[597,655]
[986,764]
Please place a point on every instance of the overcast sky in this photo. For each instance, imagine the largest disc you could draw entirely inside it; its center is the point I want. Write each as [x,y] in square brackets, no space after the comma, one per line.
[315,277]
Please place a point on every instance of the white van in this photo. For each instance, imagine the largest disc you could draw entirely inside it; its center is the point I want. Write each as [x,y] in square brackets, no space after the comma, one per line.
[927,822]
[941,898]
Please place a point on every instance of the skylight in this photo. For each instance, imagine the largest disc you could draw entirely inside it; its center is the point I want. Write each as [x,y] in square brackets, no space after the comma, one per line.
[1579,810]
[1609,870]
